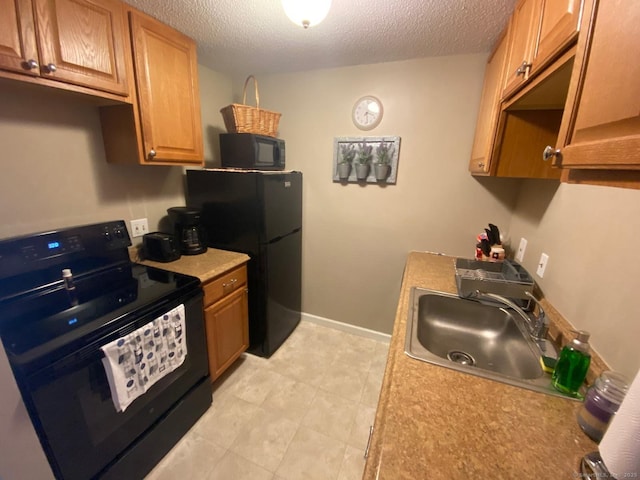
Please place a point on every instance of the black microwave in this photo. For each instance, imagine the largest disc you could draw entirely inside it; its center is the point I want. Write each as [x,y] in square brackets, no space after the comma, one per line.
[247,150]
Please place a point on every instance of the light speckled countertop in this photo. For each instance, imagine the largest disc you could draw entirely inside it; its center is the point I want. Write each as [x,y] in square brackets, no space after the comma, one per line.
[206,266]
[436,423]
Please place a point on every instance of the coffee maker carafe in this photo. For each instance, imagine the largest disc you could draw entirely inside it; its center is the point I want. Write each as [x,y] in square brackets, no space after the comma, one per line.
[188,231]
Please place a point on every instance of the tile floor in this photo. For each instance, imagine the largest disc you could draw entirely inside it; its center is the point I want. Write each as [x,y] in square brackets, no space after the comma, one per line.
[302,414]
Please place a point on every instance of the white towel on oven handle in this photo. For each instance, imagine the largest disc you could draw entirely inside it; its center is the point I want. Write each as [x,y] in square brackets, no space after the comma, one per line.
[135,362]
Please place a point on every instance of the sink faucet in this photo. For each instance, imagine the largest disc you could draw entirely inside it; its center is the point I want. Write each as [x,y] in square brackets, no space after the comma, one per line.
[538,326]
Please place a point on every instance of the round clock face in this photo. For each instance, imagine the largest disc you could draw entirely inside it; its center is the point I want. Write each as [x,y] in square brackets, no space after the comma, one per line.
[367,113]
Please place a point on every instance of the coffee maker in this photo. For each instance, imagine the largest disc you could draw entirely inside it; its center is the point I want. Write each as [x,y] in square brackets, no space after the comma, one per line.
[188,231]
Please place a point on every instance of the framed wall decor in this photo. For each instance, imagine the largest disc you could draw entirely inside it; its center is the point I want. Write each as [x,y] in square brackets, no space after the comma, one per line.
[366,159]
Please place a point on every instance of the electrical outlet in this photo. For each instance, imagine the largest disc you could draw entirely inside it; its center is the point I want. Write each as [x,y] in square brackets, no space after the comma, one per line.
[542,264]
[521,248]
[139,227]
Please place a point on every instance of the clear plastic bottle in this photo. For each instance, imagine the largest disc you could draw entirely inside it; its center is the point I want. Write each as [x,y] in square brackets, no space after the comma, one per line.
[573,364]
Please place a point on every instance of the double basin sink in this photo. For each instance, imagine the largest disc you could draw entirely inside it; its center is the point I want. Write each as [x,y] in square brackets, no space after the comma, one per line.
[480,339]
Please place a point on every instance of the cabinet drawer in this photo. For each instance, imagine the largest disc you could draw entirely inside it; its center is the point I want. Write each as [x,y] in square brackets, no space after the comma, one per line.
[224,285]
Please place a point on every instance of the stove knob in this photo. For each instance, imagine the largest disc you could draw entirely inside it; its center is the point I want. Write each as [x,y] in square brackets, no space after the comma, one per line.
[107,236]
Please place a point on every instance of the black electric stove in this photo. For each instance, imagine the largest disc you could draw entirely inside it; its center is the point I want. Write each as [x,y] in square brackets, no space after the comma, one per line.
[63,295]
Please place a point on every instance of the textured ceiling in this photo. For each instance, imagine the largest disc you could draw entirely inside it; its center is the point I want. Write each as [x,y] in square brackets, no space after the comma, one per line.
[243,36]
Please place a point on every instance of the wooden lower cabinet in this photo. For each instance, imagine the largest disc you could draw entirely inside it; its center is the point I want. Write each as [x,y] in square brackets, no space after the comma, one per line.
[227,323]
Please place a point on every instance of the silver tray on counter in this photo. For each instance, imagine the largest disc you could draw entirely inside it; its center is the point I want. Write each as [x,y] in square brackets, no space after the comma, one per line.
[507,278]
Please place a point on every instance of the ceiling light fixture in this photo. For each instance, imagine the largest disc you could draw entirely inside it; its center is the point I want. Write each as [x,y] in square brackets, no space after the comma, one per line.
[306,12]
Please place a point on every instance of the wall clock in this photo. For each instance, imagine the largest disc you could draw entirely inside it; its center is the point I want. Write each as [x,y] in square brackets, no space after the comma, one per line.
[367,113]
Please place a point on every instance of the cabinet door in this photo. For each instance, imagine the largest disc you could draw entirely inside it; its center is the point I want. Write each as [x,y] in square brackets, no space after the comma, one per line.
[559,27]
[488,113]
[227,326]
[18,50]
[167,80]
[82,42]
[606,107]
[525,23]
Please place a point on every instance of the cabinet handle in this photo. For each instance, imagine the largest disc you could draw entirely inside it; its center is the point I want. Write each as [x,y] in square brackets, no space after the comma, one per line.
[231,283]
[31,64]
[366,450]
[550,152]
[152,153]
[50,68]
[522,69]
[481,164]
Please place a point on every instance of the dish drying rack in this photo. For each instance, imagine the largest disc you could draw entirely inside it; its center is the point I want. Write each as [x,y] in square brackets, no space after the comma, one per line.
[507,278]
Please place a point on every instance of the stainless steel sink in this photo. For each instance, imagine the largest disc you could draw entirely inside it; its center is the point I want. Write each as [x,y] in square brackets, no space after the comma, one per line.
[479,339]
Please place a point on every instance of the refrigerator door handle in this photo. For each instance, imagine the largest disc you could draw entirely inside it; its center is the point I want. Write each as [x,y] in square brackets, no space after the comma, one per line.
[280,237]
[277,239]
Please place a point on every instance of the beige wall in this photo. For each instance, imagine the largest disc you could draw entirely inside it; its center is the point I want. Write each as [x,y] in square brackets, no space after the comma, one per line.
[591,236]
[355,239]
[215,93]
[54,172]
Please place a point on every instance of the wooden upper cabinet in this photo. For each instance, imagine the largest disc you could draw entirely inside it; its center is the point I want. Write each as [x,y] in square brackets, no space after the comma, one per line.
[18,51]
[79,43]
[541,30]
[559,26]
[82,42]
[603,130]
[166,72]
[480,163]
[524,29]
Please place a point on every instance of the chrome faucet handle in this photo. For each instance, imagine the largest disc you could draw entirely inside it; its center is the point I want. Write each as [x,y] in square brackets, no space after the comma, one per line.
[541,326]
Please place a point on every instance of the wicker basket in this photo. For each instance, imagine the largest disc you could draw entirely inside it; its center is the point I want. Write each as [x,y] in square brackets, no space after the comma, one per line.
[240,118]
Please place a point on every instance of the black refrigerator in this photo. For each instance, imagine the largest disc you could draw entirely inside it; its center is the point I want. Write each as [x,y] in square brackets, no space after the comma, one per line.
[258,213]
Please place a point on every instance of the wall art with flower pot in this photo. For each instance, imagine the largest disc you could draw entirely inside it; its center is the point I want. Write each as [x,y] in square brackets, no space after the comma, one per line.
[366,159]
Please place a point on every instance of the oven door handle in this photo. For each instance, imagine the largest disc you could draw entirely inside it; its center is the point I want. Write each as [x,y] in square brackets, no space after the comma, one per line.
[40,370]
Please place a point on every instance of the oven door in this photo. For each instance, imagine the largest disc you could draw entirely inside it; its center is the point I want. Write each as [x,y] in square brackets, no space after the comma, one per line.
[70,400]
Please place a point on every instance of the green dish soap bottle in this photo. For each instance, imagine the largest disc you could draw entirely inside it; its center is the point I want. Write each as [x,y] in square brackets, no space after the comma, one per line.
[573,364]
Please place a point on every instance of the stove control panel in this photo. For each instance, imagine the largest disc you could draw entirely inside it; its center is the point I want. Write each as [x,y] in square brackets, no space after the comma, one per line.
[115,235]
[50,246]
[85,247]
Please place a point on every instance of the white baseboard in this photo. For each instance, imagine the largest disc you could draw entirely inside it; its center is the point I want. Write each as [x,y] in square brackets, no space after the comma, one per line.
[346,327]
